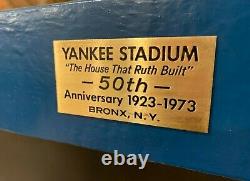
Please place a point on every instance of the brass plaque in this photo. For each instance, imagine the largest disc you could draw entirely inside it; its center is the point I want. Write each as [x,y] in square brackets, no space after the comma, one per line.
[160,81]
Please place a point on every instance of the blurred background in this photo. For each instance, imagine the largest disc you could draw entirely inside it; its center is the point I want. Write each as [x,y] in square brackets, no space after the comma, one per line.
[30,159]
[7,4]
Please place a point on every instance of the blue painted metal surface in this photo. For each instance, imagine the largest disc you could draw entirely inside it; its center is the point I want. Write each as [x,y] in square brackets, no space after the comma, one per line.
[28,98]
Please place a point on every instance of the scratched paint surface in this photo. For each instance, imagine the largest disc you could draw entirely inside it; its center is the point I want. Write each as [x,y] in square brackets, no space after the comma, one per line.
[27,78]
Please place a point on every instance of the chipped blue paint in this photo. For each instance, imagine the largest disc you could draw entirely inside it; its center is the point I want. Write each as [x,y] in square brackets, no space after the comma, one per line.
[28,97]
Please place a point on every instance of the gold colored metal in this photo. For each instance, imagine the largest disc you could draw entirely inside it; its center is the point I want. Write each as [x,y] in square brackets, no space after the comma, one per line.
[160,81]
